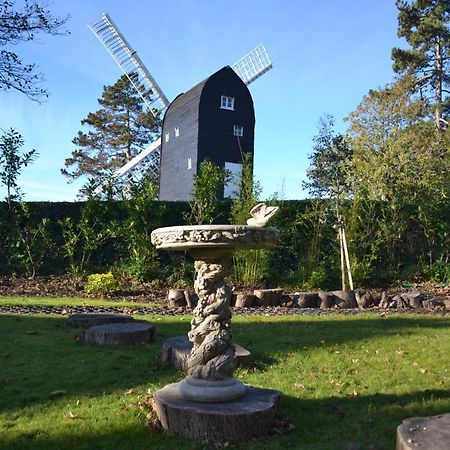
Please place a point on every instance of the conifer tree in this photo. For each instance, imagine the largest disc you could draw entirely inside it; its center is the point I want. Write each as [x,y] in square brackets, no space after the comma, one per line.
[425,26]
[119,130]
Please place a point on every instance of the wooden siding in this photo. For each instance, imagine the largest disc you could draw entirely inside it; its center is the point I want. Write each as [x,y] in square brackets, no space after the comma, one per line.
[206,131]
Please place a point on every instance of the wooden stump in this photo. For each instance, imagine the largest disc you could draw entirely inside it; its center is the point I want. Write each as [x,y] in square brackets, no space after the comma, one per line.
[177,350]
[87,320]
[267,297]
[120,334]
[430,433]
[238,420]
[345,299]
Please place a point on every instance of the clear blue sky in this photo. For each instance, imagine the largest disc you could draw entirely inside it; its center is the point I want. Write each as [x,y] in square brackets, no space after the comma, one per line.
[326,56]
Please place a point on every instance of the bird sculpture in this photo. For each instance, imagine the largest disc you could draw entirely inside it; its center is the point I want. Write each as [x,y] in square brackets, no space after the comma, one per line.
[261,214]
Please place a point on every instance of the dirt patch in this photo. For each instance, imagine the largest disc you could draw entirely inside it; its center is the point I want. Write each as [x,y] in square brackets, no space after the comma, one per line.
[68,286]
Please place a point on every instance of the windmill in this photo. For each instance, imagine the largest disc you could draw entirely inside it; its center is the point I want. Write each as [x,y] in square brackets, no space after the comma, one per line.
[147,162]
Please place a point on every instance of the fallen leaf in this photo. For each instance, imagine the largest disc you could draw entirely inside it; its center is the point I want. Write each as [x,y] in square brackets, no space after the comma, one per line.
[422,370]
[401,352]
[299,386]
[352,394]
[130,391]
[71,415]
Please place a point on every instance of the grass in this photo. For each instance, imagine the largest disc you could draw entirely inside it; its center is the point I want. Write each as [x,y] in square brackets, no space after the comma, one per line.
[65,301]
[347,381]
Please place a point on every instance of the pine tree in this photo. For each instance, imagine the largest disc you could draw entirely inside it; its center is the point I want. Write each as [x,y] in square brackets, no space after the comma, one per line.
[119,130]
[425,26]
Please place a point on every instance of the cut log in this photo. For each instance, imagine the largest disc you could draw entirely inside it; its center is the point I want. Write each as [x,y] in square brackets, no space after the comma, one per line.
[120,334]
[326,300]
[240,420]
[345,299]
[308,299]
[87,320]
[176,298]
[244,300]
[268,297]
[430,433]
[177,350]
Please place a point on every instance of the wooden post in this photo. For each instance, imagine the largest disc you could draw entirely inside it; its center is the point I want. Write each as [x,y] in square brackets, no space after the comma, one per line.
[341,245]
[347,259]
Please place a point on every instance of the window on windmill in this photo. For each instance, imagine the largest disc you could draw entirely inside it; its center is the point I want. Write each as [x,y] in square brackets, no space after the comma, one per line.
[167,137]
[238,130]
[177,131]
[227,102]
[189,163]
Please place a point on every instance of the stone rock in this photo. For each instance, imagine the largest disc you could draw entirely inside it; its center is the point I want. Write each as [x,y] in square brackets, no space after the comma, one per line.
[176,298]
[86,320]
[345,299]
[177,350]
[239,420]
[399,302]
[244,300]
[430,433]
[120,334]
[268,297]
[414,299]
[326,300]
[432,303]
[308,299]
[447,303]
[364,298]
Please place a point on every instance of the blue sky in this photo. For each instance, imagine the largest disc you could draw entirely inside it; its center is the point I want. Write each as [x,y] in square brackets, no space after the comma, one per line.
[326,56]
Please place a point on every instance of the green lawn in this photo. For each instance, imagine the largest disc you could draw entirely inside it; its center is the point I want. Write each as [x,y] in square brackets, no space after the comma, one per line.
[347,381]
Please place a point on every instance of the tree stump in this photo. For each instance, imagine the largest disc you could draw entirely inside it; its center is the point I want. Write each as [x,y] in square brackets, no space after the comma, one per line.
[345,299]
[430,433]
[87,320]
[120,334]
[238,420]
[308,299]
[177,350]
[268,297]
[326,300]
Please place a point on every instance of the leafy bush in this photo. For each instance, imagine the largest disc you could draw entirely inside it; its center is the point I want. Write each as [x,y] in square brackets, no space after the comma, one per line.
[438,272]
[102,283]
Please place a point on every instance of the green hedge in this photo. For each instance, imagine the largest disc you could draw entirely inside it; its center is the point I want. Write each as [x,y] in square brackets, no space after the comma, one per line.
[383,243]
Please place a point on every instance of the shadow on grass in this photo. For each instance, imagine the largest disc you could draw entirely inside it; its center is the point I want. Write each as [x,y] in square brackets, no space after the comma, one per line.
[41,355]
[362,423]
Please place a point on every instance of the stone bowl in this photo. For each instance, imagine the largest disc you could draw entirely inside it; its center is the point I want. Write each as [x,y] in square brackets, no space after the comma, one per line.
[227,237]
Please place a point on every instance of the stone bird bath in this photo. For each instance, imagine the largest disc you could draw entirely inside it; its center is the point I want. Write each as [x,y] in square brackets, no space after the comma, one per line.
[210,403]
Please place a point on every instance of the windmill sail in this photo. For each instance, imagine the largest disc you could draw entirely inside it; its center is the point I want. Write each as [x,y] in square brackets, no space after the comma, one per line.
[128,60]
[253,65]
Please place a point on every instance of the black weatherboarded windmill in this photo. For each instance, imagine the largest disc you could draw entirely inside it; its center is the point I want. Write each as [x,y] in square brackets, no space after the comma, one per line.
[214,120]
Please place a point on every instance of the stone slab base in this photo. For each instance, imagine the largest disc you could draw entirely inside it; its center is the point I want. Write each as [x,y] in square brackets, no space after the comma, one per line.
[177,350]
[238,420]
[120,334]
[430,433]
[86,320]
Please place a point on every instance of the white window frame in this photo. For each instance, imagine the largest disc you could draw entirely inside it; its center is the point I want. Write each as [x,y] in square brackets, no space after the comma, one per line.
[167,137]
[177,131]
[227,102]
[238,130]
